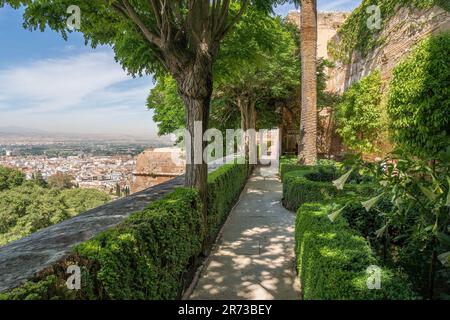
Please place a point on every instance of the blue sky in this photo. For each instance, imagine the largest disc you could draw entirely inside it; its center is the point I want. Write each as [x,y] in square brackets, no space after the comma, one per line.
[63,86]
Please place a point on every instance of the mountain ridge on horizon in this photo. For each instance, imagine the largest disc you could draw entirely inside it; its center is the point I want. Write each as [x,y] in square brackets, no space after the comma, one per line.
[23,131]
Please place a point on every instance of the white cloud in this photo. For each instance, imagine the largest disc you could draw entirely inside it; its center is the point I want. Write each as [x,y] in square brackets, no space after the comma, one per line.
[58,84]
[84,92]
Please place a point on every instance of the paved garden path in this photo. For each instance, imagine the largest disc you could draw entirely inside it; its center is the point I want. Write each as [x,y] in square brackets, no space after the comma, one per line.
[254,257]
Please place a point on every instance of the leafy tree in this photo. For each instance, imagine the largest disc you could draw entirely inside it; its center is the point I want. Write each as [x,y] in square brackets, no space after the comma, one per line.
[164,100]
[419,98]
[30,207]
[10,178]
[26,209]
[179,37]
[265,72]
[81,200]
[38,179]
[248,80]
[359,114]
[61,181]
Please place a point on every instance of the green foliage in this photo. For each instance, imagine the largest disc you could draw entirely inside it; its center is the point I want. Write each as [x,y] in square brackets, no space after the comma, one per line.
[263,71]
[168,108]
[61,181]
[314,184]
[10,178]
[332,260]
[148,255]
[356,36]
[241,72]
[359,115]
[224,187]
[50,288]
[30,207]
[288,164]
[81,200]
[419,98]
[27,209]
[413,205]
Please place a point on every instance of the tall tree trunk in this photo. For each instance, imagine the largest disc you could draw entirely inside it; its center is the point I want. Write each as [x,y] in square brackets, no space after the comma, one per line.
[307,153]
[195,86]
[248,122]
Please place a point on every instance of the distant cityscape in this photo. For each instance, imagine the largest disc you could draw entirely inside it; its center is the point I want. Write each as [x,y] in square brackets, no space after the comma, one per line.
[93,163]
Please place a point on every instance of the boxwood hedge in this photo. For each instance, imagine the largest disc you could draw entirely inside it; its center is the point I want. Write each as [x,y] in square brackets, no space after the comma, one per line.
[332,260]
[148,255]
[224,187]
[302,186]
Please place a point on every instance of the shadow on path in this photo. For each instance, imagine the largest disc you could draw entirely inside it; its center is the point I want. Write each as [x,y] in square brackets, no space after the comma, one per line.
[254,258]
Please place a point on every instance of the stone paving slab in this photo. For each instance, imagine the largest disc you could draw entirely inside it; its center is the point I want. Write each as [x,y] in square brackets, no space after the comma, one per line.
[254,258]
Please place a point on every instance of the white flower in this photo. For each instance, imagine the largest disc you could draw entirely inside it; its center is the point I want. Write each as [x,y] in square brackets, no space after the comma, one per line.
[340,182]
[333,216]
[371,202]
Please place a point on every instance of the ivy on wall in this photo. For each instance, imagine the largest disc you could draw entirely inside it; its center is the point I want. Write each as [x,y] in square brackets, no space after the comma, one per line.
[359,115]
[355,35]
[419,98]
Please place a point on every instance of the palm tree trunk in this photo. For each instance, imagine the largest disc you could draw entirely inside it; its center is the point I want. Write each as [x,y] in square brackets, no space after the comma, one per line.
[307,153]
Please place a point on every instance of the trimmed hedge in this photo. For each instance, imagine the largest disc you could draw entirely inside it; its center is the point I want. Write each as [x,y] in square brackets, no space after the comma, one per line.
[142,258]
[298,189]
[288,164]
[332,260]
[224,187]
[148,255]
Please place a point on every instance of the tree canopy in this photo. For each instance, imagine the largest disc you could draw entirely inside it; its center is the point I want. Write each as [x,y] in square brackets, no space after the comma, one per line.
[258,63]
[10,178]
[28,206]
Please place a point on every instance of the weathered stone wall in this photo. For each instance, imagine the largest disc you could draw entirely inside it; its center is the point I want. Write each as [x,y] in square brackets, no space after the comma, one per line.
[327,25]
[155,166]
[405,29]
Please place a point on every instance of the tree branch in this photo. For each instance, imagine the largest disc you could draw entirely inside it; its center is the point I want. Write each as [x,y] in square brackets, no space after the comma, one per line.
[149,35]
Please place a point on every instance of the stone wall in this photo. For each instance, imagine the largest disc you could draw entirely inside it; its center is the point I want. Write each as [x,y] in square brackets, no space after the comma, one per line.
[405,29]
[155,166]
[327,25]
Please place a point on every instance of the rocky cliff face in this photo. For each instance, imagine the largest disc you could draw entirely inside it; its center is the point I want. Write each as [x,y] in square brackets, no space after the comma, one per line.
[405,29]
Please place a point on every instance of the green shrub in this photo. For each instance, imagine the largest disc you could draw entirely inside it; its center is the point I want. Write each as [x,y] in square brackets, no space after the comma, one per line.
[224,187]
[419,98]
[30,207]
[10,178]
[359,115]
[315,184]
[332,260]
[288,164]
[146,256]
[27,209]
[81,200]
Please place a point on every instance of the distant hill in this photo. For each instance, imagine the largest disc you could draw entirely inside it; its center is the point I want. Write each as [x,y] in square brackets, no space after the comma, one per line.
[20,130]
[12,133]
